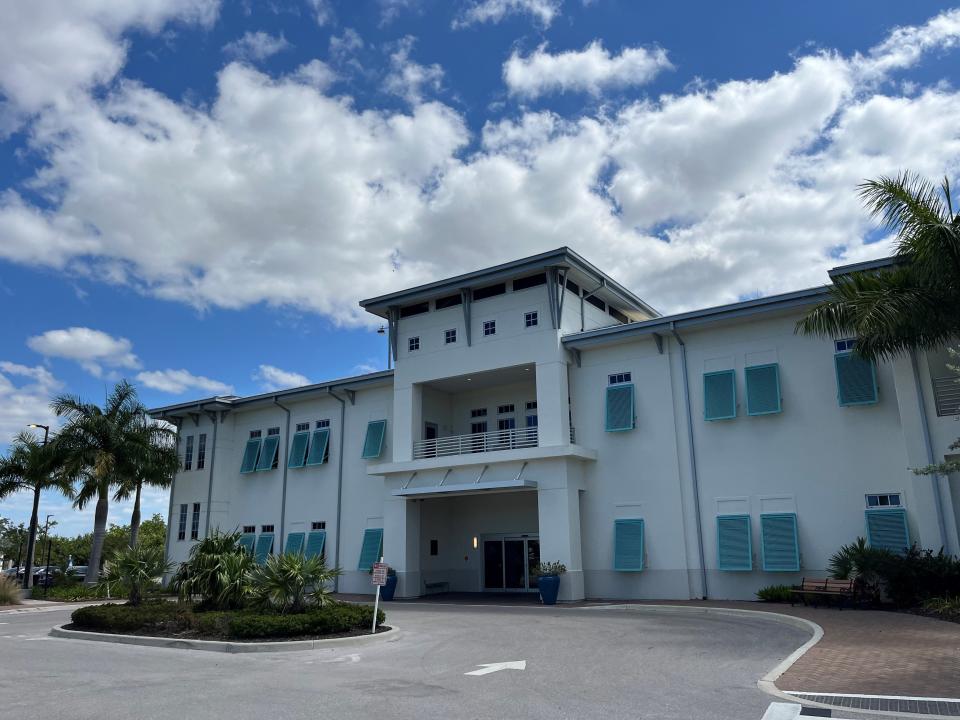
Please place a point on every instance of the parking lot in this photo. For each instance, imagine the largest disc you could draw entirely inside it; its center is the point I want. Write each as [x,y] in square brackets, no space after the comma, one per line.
[578,664]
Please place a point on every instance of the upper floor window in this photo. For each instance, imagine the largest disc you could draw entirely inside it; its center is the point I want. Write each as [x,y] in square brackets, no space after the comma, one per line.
[531,404]
[249,528]
[531,319]
[195,523]
[255,434]
[478,412]
[417,309]
[884,500]
[617,315]
[505,409]
[273,431]
[202,451]
[182,525]
[318,525]
[448,301]
[266,528]
[845,345]
[529,281]
[323,424]
[617,378]
[413,343]
[596,302]
[303,427]
[188,454]
[573,287]
[489,327]
[450,336]
[489,291]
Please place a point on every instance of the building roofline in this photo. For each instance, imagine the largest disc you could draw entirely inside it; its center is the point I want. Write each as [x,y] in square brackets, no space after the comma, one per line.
[232,402]
[867,265]
[560,256]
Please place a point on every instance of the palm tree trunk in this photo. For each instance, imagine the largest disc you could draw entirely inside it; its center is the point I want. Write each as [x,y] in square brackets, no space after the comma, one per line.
[99,533]
[32,538]
[135,520]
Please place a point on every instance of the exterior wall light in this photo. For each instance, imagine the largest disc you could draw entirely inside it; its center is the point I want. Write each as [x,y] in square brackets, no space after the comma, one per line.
[475,543]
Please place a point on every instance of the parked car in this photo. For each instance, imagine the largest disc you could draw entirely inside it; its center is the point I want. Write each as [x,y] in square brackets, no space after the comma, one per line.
[77,572]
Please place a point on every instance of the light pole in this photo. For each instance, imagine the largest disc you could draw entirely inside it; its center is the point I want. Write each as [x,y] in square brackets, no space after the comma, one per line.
[46,572]
[32,538]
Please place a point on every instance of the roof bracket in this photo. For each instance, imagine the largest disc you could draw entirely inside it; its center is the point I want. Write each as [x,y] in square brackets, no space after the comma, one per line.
[352,394]
[409,480]
[393,324]
[477,481]
[195,416]
[465,297]
[576,355]
[444,478]
[658,339]
[223,415]
[522,468]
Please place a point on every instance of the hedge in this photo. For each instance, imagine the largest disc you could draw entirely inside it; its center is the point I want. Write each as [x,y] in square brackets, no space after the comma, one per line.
[328,621]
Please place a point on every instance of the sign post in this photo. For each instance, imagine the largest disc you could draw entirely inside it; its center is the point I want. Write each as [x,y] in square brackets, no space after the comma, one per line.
[379,579]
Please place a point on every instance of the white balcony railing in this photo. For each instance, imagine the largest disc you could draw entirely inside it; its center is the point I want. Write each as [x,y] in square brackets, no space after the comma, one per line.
[946,391]
[475,442]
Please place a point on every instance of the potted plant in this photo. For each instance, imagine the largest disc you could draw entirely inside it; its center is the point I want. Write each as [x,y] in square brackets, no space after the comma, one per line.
[387,591]
[548,580]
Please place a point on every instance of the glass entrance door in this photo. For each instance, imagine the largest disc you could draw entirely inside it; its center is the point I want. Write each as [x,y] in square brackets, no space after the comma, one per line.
[508,563]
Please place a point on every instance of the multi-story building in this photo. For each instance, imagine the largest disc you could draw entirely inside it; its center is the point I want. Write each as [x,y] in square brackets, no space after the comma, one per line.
[539,410]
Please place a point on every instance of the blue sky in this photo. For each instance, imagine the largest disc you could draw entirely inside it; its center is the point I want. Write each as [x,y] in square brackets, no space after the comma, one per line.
[195,194]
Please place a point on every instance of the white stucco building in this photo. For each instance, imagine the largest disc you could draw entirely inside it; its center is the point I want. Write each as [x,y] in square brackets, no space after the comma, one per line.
[540,410]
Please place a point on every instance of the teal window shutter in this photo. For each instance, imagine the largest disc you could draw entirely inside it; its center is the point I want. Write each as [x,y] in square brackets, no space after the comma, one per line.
[294,544]
[628,545]
[719,395]
[298,450]
[250,454]
[246,542]
[372,548]
[734,544]
[778,542]
[268,456]
[856,379]
[373,443]
[318,447]
[887,529]
[315,542]
[264,547]
[763,389]
[620,407]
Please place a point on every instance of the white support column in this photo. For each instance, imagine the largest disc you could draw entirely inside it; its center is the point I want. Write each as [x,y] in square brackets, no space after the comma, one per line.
[401,543]
[553,404]
[407,420]
[558,510]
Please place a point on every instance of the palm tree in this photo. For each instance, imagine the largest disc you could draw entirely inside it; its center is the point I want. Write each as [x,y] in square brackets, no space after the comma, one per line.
[153,462]
[33,466]
[915,303]
[100,445]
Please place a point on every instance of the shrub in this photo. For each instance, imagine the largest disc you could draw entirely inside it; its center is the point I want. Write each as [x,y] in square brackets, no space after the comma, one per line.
[865,565]
[73,592]
[149,617]
[332,619]
[945,608]
[137,569]
[775,593]
[920,575]
[549,568]
[209,569]
[289,583]
[9,591]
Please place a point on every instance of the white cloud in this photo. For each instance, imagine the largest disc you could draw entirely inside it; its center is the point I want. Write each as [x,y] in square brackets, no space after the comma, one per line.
[390,10]
[177,382]
[493,11]
[590,70]
[409,79]
[904,46]
[25,395]
[273,378]
[322,11]
[93,349]
[256,46]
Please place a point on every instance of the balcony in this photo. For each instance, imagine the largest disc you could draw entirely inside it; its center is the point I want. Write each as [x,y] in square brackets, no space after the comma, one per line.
[475,443]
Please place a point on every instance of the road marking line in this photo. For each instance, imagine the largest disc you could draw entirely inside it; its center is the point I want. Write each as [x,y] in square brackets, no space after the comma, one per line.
[487,668]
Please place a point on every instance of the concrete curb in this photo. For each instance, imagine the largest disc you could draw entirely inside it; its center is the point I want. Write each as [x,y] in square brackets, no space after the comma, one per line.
[222,645]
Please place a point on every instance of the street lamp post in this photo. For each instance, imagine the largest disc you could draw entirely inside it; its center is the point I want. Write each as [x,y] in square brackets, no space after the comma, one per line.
[46,572]
[32,538]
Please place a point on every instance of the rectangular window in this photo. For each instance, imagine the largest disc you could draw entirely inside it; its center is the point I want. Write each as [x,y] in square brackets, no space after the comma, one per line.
[734,546]
[255,434]
[529,281]
[303,427]
[250,454]
[316,540]
[617,378]
[628,545]
[887,529]
[450,336]
[719,395]
[448,301]
[506,423]
[478,427]
[778,542]
[319,447]
[617,315]
[532,421]
[573,287]
[182,526]
[505,409]
[269,455]
[489,291]
[478,412]
[417,309]
[195,522]
[596,302]
[294,544]
[298,448]
[531,404]
[373,442]
[323,424]
[249,528]
[846,345]
[266,528]
[620,407]
[856,380]
[372,548]
[202,451]
[763,389]
[188,454]
[531,319]
[489,327]
[883,500]
[413,343]
[273,431]
[318,525]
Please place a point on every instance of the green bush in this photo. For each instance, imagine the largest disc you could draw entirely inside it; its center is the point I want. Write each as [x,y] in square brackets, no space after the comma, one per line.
[330,620]
[76,591]
[9,592]
[945,608]
[290,583]
[137,569]
[147,617]
[775,593]
[545,569]
[213,573]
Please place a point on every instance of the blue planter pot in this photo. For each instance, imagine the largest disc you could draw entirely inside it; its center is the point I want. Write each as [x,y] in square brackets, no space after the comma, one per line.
[549,586]
[387,591]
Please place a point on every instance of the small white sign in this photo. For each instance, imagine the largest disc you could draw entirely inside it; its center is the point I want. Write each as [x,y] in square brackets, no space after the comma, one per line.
[380,574]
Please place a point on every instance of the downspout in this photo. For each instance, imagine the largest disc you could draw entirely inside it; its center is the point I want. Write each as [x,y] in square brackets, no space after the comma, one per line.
[925,430]
[213,457]
[173,483]
[343,414]
[281,453]
[693,457]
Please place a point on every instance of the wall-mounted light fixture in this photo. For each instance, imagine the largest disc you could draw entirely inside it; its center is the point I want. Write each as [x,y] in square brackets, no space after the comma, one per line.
[475,543]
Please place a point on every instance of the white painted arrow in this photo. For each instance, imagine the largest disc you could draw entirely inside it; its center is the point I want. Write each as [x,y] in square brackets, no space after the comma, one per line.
[488,668]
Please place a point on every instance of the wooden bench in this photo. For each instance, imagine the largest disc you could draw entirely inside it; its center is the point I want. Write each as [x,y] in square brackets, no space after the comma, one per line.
[827,588]
[440,586]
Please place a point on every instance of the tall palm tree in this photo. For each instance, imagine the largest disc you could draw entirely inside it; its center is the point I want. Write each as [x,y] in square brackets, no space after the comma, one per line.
[33,466]
[153,462]
[915,303]
[100,444]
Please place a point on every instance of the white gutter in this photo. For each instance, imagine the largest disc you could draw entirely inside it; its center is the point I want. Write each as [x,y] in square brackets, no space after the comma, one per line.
[925,430]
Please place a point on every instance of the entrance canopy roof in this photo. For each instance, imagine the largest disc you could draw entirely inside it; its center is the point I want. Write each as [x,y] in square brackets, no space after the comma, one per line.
[466,488]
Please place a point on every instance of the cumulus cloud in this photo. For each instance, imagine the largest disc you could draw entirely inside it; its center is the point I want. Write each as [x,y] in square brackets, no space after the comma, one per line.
[25,395]
[409,79]
[390,10]
[273,378]
[177,382]
[256,46]
[93,349]
[590,70]
[322,11]
[493,11]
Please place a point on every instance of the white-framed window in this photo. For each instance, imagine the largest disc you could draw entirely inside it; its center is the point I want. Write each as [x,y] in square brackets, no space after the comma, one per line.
[449,336]
[266,528]
[303,427]
[188,454]
[195,523]
[489,327]
[413,343]
[531,414]
[273,431]
[507,423]
[323,424]
[531,319]
[255,434]
[478,412]
[845,345]
[478,427]
[247,529]
[617,378]
[318,525]
[202,451]
[877,500]
[182,525]
[505,409]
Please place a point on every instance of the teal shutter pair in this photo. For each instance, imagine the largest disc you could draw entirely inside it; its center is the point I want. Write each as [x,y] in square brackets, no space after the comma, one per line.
[315,541]
[372,549]
[856,379]
[305,451]
[763,392]
[887,529]
[373,442]
[628,545]
[260,454]
[779,546]
[620,415]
